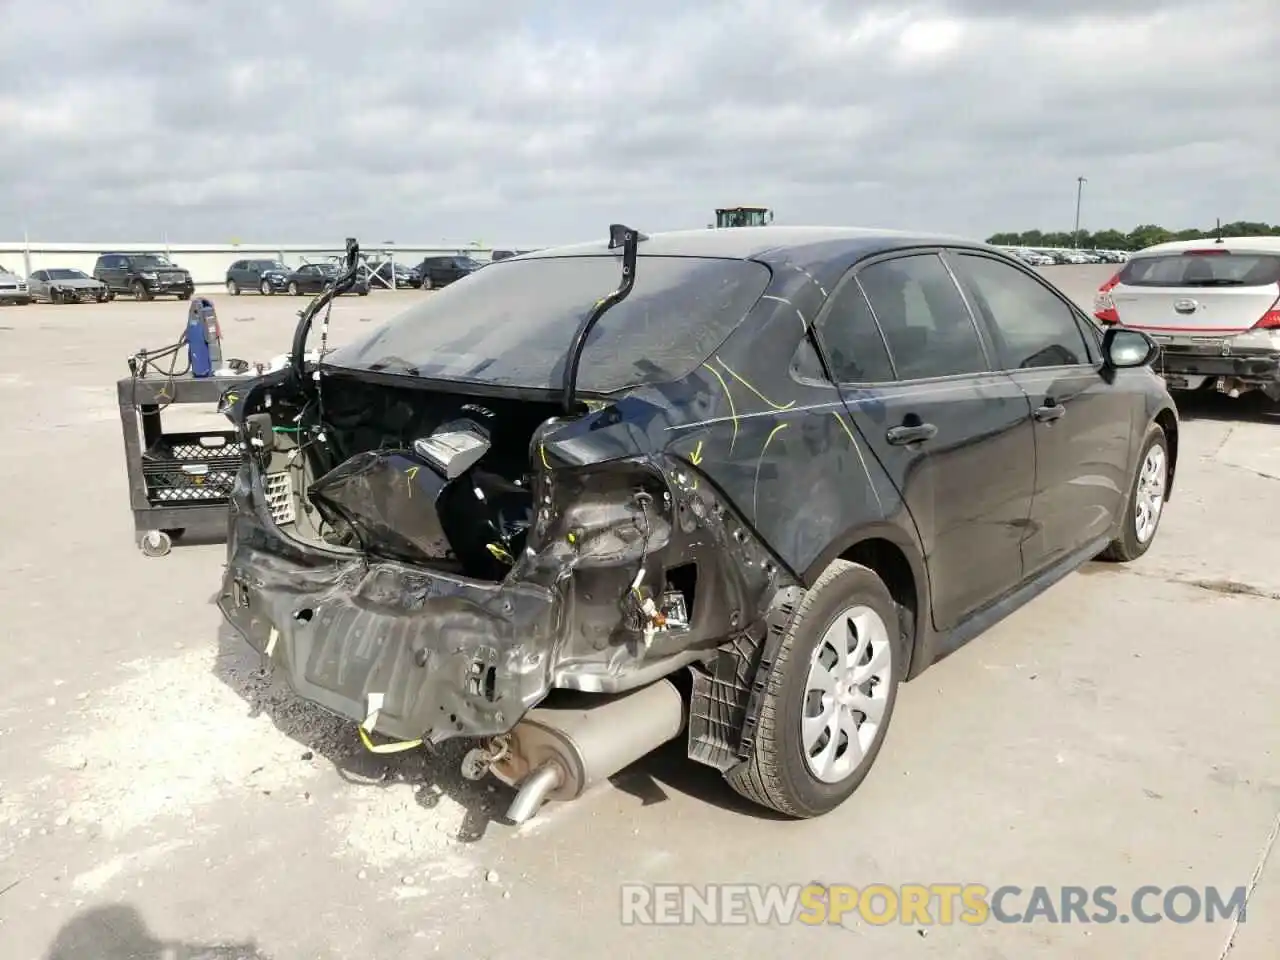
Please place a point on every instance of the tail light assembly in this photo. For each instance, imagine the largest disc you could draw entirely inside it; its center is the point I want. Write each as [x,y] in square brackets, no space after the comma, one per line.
[1104,308]
[1271,319]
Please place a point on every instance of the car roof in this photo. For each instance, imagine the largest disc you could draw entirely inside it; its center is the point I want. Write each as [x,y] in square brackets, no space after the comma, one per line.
[1234,244]
[802,244]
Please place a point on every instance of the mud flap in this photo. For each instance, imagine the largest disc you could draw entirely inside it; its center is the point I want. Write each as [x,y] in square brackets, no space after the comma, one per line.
[725,704]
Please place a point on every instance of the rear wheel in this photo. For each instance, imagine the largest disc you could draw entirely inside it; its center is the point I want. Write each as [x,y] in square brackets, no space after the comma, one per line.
[233,288]
[829,696]
[426,283]
[1145,505]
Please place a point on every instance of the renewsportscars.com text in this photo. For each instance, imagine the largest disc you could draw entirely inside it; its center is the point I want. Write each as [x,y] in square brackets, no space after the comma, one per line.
[923,904]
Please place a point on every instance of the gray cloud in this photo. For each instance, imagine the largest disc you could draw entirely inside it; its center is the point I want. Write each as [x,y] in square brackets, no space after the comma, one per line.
[419,121]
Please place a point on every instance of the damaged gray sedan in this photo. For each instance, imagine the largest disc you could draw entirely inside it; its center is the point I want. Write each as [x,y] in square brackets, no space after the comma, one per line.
[738,498]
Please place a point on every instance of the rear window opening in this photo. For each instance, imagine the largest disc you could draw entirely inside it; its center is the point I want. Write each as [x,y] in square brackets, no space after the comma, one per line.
[511,323]
[1202,268]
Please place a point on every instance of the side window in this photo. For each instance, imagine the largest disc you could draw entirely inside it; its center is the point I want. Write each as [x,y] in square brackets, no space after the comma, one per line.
[851,339]
[1032,327]
[38,276]
[924,318]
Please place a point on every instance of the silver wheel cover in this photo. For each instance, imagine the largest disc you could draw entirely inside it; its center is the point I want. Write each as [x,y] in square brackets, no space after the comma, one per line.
[846,693]
[1149,497]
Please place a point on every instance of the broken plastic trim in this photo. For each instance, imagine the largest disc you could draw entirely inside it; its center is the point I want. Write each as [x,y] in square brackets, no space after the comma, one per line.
[340,286]
[629,239]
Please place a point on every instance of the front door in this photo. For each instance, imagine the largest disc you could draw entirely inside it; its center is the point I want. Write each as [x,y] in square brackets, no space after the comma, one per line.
[1081,420]
[954,435]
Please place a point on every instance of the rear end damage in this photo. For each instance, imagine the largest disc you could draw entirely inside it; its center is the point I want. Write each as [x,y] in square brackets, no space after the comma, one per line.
[447,563]
[1214,308]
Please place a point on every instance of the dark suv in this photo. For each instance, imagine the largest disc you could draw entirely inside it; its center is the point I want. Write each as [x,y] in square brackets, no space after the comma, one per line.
[265,276]
[144,275]
[441,271]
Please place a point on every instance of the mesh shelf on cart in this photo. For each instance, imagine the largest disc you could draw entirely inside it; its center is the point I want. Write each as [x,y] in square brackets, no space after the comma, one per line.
[203,447]
[194,468]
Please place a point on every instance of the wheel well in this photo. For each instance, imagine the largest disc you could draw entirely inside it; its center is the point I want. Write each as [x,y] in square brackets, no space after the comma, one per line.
[1169,423]
[891,566]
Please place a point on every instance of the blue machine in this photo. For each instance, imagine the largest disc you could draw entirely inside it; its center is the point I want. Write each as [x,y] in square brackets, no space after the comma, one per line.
[203,337]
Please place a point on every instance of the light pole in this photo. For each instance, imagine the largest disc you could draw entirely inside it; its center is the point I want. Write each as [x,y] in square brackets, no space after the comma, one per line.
[1075,234]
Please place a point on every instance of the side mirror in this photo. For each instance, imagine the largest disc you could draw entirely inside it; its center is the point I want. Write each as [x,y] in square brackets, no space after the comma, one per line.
[1123,348]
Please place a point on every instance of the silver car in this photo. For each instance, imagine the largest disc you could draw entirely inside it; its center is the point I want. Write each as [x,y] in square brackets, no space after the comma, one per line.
[13,289]
[1212,305]
[65,285]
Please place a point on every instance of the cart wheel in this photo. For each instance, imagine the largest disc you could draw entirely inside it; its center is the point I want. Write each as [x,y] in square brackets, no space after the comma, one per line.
[155,543]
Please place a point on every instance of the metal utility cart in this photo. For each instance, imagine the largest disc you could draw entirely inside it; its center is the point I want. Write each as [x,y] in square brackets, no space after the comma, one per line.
[179,483]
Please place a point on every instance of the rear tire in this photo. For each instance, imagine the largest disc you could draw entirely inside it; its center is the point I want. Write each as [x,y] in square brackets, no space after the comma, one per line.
[1144,507]
[848,606]
[233,288]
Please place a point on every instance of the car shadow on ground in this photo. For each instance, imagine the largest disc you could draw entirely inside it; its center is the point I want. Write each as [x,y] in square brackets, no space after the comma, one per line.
[434,773]
[668,770]
[1254,407]
[118,932]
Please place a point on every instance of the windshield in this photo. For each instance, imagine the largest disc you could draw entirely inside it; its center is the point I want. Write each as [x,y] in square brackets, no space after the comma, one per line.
[66,275]
[511,323]
[150,261]
[1212,268]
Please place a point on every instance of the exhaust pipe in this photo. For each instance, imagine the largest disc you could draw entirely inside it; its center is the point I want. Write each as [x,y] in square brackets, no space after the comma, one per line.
[564,747]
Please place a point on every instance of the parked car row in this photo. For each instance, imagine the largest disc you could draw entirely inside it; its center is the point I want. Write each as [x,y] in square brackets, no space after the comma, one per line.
[1048,257]
[269,277]
[144,276]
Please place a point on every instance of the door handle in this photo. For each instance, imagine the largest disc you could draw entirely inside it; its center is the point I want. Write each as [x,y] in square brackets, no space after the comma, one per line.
[899,436]
[1049,412]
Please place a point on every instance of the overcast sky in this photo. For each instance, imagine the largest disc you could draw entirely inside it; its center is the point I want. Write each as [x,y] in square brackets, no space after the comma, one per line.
[417,121]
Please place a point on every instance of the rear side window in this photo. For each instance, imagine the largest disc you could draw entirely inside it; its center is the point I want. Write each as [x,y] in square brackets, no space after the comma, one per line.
[925,321]
[852,341]
[511,324]
[1032,327]
[1202,269]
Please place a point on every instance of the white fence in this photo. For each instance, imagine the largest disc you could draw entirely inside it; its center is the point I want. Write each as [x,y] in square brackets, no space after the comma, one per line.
[208,262]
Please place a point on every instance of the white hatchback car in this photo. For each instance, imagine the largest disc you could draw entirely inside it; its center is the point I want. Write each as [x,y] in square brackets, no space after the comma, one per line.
[1212,305]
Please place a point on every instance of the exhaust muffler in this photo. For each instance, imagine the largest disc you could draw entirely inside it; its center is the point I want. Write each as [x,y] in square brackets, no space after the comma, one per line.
[561,749]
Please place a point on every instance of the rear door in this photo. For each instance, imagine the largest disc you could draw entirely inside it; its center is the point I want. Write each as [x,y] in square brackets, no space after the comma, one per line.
[111,271]
[955,436]
[1083,422]
[1210,291]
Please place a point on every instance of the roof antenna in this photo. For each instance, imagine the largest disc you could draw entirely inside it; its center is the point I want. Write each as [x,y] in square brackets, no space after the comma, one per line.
[629,240]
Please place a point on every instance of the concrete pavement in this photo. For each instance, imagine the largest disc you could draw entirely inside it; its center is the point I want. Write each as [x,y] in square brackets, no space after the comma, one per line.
[157,792]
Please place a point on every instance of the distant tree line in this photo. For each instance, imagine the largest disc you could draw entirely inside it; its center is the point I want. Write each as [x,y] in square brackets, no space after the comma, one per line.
[1135,239]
